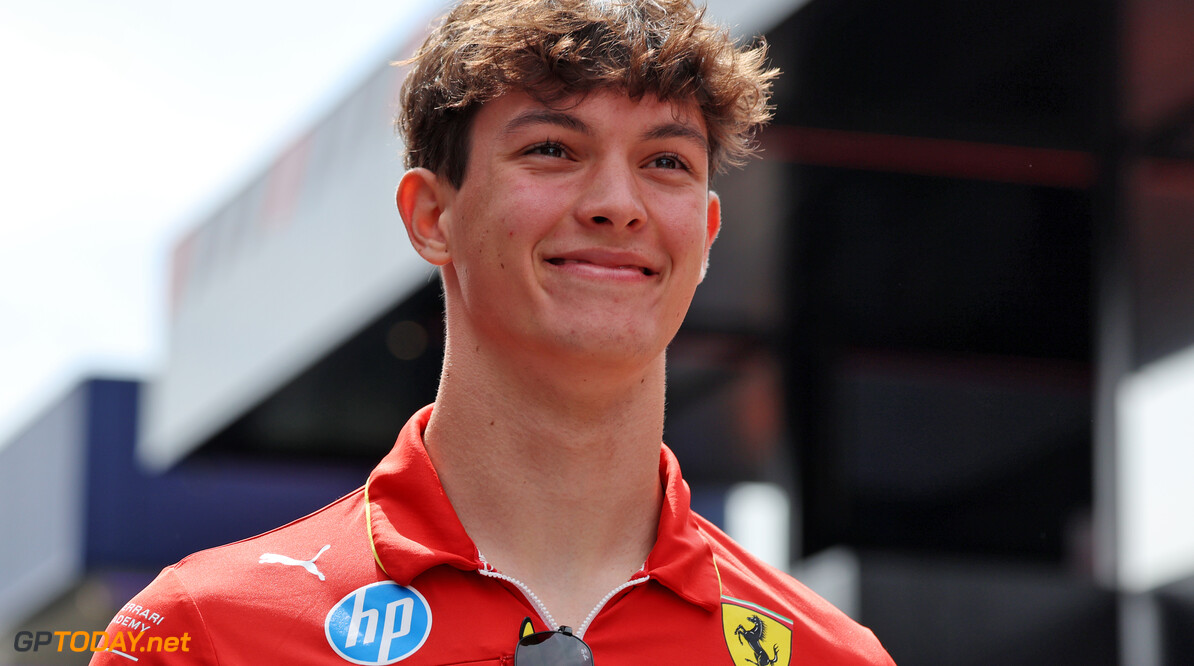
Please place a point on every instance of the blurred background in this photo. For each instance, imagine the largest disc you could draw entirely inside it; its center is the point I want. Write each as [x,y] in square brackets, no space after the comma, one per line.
[942,368]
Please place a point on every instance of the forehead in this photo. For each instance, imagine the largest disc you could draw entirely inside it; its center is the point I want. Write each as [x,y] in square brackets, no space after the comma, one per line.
[602,112]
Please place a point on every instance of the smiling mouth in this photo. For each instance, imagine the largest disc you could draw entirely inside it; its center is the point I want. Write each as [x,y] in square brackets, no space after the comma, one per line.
[561,261]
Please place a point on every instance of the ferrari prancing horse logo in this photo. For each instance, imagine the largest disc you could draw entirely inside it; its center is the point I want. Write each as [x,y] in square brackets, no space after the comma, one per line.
[754,635]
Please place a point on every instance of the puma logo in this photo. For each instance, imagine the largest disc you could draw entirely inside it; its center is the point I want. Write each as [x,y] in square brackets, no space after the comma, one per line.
[309,565]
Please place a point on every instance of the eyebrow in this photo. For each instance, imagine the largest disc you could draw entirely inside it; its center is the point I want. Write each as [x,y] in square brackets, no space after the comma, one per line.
[547,117]
[678,131]
[568,121]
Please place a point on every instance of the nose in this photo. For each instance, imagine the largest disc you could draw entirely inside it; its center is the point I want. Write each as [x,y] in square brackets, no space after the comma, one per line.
[612,196]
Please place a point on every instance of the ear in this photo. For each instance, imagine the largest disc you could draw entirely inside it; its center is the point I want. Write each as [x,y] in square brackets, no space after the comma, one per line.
[712,227]
[420,200]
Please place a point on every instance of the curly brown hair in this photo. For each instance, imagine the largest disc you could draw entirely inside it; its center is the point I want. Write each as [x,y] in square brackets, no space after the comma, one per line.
[556,49]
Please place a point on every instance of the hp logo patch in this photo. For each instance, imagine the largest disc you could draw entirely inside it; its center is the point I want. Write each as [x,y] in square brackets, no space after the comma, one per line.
[380,623]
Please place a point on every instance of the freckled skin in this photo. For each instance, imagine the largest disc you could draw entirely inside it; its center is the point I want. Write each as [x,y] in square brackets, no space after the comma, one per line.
[613,187]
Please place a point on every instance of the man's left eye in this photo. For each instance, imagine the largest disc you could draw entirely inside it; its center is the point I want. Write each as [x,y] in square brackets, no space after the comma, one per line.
[548,148]
[668,162]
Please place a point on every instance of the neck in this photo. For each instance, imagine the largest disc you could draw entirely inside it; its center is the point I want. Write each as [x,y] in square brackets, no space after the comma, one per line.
[554,475]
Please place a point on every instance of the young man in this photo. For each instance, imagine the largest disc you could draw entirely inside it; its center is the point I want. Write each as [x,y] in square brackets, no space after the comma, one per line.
[560,153]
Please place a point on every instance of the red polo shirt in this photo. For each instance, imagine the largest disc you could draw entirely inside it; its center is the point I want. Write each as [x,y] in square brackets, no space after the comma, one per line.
[387,574]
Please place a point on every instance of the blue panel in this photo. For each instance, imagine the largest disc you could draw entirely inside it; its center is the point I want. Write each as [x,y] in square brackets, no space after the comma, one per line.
[136,519]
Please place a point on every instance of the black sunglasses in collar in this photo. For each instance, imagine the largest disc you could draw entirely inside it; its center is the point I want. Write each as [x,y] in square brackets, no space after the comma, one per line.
[551,648]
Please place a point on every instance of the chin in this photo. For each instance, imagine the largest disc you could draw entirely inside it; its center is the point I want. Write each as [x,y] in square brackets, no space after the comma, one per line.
[613,348]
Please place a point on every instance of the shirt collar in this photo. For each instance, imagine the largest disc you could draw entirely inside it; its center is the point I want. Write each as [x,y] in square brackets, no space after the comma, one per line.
[411,522]
[413,526]
[682,559]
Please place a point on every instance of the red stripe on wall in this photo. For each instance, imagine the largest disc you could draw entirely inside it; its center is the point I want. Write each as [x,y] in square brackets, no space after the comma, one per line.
[931,157]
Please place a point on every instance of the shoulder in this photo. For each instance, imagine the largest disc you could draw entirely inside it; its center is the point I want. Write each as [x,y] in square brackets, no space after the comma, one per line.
[154,625]
[758,592]
[307,548]
[256,586]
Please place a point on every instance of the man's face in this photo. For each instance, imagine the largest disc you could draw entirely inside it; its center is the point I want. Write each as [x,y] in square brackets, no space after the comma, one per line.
[580,231]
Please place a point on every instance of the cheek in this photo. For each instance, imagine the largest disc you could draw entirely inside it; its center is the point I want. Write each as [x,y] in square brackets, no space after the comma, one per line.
[530,207]
[521,217]
[687,237]
[496,232]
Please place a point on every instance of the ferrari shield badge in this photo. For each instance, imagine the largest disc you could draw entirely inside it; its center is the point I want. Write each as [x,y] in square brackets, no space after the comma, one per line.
[754,635]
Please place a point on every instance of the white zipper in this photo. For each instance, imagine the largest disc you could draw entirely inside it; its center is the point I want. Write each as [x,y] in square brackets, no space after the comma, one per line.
[580,631]
[544,614]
